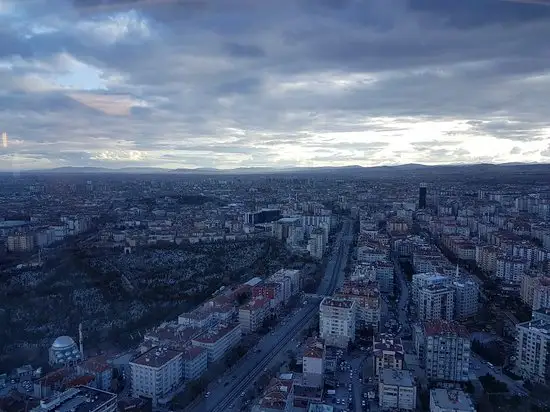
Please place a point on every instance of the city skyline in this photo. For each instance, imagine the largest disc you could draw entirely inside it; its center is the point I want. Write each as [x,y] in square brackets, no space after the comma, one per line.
[179,84]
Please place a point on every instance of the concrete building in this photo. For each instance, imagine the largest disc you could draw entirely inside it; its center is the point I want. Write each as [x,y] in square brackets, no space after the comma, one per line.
[195,362]
[81,399]
[533,350]
[313,363]
[388,352]
[444,350]
[20,242]
[157,374]
[337,321]
[367,296]
[218,340]
[253,314]
[510,269]
[316,243]
[486,258]
[450,400]
[436,302]
[292,274]
[466,298]
[535,290]
[422,280]
[397,390]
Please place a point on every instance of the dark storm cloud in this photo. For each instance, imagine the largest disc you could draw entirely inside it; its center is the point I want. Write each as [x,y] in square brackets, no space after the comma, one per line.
[283,73]
[244,50]
[467,14]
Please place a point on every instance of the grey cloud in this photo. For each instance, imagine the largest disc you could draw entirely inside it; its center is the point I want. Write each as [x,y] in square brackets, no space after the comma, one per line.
[515,150]
[244,50]
[202,73]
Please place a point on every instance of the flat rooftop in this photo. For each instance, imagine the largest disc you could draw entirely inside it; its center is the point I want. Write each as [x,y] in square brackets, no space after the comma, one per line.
[156,357]
[80,399]
[451,399]
[442,327]
[540,325]
[397,377]
[213,335]
[337,303]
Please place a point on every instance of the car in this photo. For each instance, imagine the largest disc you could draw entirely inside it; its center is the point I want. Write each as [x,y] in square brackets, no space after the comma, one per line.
[242,394]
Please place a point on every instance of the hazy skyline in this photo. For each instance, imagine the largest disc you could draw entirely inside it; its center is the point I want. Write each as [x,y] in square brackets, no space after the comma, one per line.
[242,83]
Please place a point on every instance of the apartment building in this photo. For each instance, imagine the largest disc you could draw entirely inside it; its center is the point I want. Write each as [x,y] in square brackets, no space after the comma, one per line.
[510,269]
[20,242]
[294,275]
[253,314]
[367,296]
[157,374]
[535,290]
[218,340]
[316,243]
[422,280]
[444,350]
[466,298]
[397,390]
[450,400]
[337,321]
[384,273]
[533,350]
[388,352]
[195,362]
[313,363]
[486,258]
[436,302]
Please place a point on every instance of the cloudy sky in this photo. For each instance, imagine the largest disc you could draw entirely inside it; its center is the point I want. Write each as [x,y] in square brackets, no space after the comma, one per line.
[237,83]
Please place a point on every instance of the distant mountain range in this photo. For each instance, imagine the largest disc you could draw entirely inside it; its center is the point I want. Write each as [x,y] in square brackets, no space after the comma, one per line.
[411,167]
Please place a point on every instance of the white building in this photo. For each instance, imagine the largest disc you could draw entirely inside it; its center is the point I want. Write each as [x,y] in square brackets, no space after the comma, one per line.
[510,269]
[20,242]
[422,280]
[397,390]
[316,243]
[466,298]
[533,350]
[157,374]
[388,353]
[253,314]
[444,349]
[292,274]
[313,363]
[195,362]
[450,400]
[218,340]
[337,321]
[435,302]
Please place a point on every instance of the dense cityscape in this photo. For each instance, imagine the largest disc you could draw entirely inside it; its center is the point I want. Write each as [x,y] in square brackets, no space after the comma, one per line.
[408,288]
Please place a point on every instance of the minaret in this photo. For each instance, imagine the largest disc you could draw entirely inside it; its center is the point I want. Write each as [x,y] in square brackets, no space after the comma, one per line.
[80,339]
[457,271]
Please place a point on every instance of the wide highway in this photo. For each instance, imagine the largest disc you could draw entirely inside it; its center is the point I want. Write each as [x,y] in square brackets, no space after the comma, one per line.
[231,386]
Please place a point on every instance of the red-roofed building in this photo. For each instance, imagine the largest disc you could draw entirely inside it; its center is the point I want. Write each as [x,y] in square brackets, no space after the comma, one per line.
[253,313]
[444,349]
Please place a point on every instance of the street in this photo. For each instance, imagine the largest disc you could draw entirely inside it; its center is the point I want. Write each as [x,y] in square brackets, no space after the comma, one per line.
[234,385]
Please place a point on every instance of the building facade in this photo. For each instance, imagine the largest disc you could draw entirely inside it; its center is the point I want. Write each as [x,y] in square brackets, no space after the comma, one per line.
[337,321]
